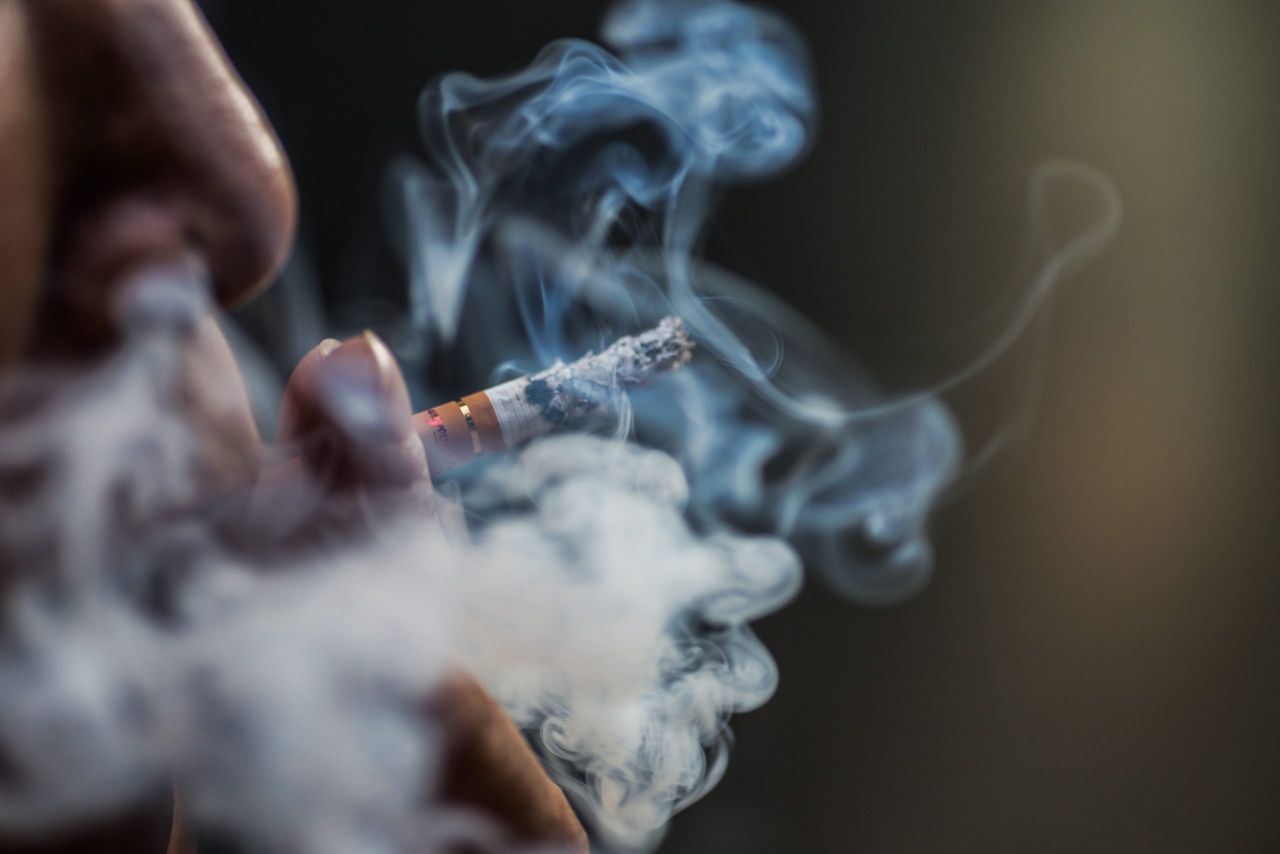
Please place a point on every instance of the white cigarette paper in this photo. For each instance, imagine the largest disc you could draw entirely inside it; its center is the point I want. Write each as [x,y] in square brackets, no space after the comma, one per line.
[533,406]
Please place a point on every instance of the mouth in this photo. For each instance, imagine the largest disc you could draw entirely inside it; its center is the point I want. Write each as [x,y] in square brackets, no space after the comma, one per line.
[147,326]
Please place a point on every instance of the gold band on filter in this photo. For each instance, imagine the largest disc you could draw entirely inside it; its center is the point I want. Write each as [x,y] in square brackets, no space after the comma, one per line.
[472,427]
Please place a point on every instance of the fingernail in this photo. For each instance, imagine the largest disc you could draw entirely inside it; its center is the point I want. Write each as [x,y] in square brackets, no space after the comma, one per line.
[327,346]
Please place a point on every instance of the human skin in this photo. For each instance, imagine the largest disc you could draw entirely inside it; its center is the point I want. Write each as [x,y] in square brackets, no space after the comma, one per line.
[127,142]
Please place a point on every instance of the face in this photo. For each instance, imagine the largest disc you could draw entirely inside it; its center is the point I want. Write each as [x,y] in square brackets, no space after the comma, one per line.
[128,143]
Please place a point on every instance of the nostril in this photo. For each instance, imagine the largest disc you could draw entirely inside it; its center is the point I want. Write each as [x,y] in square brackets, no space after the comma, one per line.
[168,297]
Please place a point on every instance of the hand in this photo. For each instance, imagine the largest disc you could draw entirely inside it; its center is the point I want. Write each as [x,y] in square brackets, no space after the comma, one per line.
[348,412]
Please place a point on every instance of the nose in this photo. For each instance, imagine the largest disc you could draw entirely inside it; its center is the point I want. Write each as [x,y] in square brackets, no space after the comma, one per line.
[160,150]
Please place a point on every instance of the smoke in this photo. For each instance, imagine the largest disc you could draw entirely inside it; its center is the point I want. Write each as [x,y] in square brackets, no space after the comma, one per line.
[139,644]
[575,194]
[600,585]
[286,700]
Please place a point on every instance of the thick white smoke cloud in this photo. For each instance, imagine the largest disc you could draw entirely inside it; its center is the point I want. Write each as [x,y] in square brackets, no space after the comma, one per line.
[602,577]
[601,585]
[137,645]
[284,699]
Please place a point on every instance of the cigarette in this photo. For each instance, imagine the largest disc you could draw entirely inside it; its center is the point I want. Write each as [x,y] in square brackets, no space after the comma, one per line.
[523,409]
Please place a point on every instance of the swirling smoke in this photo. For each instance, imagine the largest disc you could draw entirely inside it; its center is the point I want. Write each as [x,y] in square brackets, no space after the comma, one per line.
[600,585]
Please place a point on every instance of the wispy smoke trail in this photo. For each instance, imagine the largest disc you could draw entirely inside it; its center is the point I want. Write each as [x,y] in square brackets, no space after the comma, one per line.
[602,585]
[575,194]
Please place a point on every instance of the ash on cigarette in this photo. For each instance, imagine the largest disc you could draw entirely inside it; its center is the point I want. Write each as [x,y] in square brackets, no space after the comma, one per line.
[567,393]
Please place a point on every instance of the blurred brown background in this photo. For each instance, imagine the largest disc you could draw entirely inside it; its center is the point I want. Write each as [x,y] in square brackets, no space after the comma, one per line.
[1094,667]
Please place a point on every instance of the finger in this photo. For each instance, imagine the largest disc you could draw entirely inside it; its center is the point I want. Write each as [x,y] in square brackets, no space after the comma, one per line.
[283,492]
[293,405]
[347,410]
[488,765]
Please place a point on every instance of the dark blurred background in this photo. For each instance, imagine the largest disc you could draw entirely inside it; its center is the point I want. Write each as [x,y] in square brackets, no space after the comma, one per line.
[1095,665]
